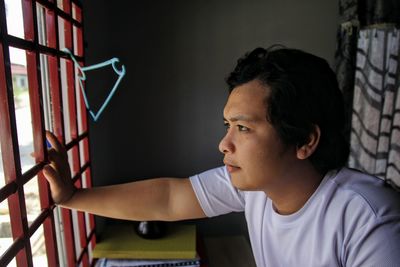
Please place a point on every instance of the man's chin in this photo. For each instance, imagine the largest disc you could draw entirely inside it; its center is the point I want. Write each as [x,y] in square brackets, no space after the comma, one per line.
[237,181]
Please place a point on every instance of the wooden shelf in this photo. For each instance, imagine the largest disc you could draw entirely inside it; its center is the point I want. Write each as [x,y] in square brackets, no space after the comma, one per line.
[228,251]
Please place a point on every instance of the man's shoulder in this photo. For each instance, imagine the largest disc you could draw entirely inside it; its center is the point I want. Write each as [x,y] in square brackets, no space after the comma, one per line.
[367,189]
[362,183]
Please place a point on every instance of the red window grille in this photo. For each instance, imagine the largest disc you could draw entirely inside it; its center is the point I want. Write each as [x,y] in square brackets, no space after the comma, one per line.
[55,103]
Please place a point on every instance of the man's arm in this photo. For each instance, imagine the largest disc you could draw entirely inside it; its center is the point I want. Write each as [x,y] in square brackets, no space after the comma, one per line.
[165,199]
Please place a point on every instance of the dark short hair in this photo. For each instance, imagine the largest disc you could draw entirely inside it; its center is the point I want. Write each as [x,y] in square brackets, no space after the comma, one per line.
[304,93]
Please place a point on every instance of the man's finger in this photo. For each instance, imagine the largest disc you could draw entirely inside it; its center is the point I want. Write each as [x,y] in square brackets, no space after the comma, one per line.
[54,156]
[54,142]
[50,174]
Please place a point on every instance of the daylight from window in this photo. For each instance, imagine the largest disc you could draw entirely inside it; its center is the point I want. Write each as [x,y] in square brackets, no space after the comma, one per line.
[25,141]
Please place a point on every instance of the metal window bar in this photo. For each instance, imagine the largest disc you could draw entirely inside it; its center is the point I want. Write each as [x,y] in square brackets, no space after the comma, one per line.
[45,85]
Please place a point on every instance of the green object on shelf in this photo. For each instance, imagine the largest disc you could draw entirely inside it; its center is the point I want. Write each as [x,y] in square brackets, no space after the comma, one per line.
[121,242]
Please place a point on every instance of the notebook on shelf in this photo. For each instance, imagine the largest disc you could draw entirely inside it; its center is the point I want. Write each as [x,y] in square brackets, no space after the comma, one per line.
[147,263]
[120,241]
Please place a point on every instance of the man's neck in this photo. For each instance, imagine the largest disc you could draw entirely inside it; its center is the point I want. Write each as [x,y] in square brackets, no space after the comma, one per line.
[295,190]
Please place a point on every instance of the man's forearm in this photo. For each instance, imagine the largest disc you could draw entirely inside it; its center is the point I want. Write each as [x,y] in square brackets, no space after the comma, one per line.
[142,200]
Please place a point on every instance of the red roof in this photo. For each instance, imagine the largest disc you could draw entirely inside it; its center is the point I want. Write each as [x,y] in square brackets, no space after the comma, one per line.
[18,69]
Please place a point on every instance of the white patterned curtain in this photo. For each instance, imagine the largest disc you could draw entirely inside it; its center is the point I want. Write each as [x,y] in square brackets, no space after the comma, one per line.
[375,129]
[368,72]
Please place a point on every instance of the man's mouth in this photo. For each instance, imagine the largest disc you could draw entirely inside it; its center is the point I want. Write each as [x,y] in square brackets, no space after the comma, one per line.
[231,168]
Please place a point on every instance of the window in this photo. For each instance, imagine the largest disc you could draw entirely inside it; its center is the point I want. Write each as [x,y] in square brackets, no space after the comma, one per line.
[38,92]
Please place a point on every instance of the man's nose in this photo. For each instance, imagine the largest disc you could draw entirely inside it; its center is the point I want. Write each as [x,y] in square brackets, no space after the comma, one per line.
[226,144]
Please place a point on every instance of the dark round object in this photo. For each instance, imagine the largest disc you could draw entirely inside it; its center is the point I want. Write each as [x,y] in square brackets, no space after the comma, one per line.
[151,229]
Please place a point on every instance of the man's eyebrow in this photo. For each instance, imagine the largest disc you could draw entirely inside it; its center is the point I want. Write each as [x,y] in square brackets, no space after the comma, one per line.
[240,118]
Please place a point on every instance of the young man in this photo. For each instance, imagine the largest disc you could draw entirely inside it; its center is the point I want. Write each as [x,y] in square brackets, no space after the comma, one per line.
[284,154]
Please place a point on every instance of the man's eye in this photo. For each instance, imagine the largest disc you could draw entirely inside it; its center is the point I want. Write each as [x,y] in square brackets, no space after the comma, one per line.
[227,125]
[243,128]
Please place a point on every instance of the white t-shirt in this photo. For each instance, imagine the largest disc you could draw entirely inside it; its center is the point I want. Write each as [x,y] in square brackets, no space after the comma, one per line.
[352,219]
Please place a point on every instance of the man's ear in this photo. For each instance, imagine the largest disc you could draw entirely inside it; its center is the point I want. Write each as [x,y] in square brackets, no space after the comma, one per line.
[308,148]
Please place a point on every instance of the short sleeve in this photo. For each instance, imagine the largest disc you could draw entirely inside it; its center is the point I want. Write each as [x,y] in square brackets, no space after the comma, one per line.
[375,244]
[215,192]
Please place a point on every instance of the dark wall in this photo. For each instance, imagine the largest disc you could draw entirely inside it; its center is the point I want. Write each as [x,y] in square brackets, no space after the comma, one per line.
[166,117]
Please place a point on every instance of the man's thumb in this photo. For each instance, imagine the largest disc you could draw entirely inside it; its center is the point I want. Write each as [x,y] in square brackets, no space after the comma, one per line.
[49,173]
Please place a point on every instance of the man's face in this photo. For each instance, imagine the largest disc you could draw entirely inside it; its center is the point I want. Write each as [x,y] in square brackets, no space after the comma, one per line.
[255,156]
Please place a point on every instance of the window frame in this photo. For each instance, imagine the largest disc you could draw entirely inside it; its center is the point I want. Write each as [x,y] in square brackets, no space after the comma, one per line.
[70,12]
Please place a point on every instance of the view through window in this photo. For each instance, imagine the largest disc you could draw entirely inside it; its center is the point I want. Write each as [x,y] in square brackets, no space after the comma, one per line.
[33,231]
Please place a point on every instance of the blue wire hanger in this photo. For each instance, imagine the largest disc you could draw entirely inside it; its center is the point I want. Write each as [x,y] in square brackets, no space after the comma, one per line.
[82,78]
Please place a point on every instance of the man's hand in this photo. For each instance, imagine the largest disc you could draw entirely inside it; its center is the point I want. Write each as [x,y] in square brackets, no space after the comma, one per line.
[58,172]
